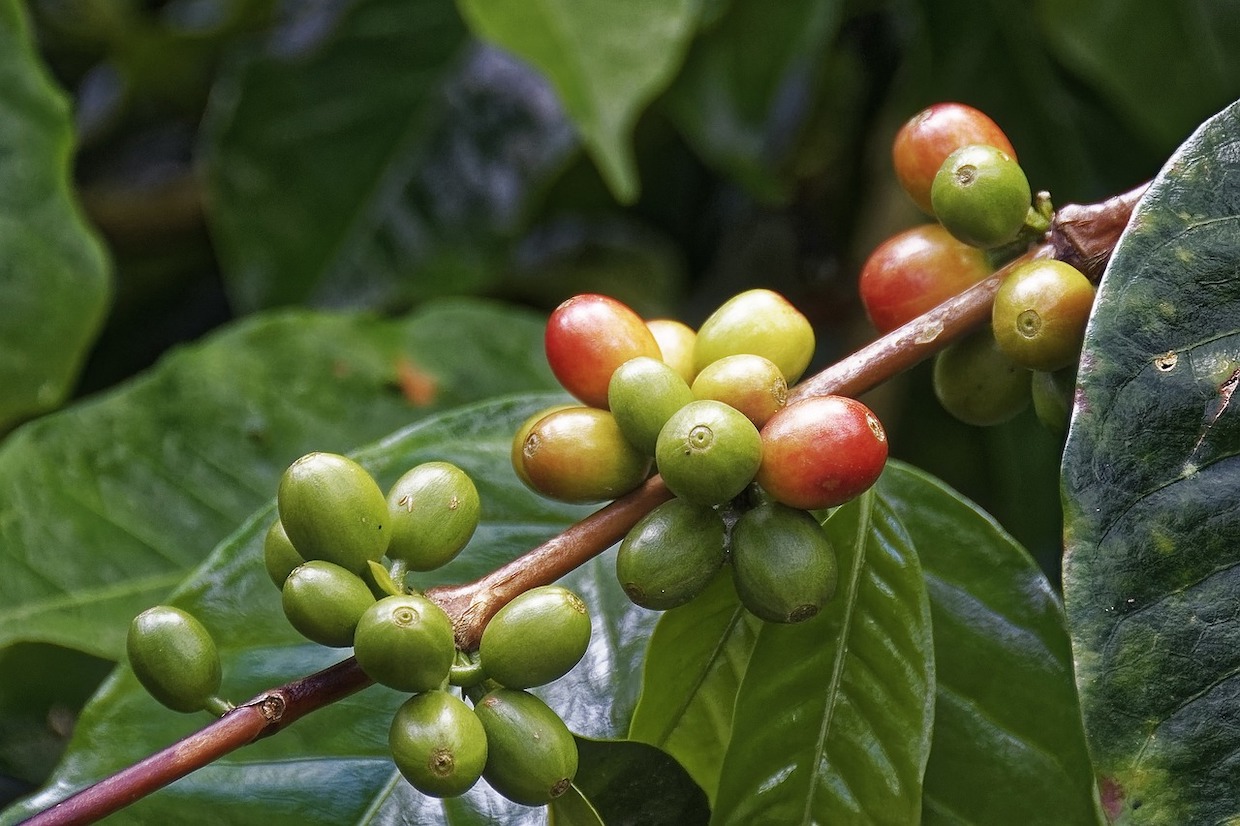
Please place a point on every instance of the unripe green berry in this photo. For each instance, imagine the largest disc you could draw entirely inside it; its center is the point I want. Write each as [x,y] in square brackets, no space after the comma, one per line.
[536,638]
[977,383]
[406,643]
[435,510]
[671,555]
[174,657]
[1040,313]
[981,196]
[324,602]
[643,395]
[438,744]
[708,452]
[333,510]
[783,565]
[531,754]
[279,555]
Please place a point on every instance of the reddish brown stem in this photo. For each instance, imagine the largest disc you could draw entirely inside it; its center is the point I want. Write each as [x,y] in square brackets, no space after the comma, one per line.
[1083,235]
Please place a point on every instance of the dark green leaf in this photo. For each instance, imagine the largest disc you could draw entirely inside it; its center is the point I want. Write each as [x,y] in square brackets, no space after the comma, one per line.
[833,717]
[54,277]
[572,809]
[1152,571]
[748,86]
[388,159]
[334,768]
[633,784]
[1007,726]
[697,656]
[606,61]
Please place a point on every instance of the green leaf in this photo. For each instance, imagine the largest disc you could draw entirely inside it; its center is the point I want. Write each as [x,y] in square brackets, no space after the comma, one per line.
[697,656]
[833,717]
[335,768]
[54,276]
[748,86]
[605,60]
[634,783]
[386,160]
[1007,727]
[1152,571]
[572,809]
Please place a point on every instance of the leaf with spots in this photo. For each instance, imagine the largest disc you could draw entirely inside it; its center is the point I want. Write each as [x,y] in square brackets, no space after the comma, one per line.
[1151,481]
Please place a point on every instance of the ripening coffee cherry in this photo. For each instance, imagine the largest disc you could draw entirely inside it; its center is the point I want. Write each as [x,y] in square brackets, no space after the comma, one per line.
[643,395]
[531,754]
[324,602]
[676,341]
[981,195]
[579,454]
[279,555]
[752,384]
[927,138]
[783,565]
[759,322]
[977,383]
[438,744]
[434,511]
[588,337]
[671,555]
[1040,313]
[916,270]
[708,452]
[536,638]
[333,510]
[523,432]
[821,452]
[174,657]
[406,643]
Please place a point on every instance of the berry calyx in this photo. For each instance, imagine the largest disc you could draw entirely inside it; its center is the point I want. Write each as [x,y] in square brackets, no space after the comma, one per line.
[588,337]
[926,139]
[1040,313]
[981,195]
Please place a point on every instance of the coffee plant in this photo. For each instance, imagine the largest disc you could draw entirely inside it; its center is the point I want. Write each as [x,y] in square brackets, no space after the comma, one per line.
[619,413]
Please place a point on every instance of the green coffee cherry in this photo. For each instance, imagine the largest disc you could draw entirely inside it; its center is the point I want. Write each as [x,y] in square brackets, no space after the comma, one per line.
[708,452]
[761,322]
[434,511]
[174,657]
[977,383]
[643,395]
[752,384]
[783,565]
[671,555]
[438,744]
[279,555]
[981,196]
[536,638]
[324,602]
[1040,313]
[333,510]
[1053,398]
[406,643]
[531,754]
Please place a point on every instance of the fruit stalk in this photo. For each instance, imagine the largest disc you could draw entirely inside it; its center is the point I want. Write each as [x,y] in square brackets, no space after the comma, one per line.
[1083,235]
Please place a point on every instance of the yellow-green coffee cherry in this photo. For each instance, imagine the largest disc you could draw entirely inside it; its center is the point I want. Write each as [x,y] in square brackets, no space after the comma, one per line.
[761,322]
[752,384]
[174,657]
[324,602]
[671,555]
[536,638]
[333,510]
[1040,313]
[405,643]
[438,744]
[531,754]
[279,555]
[434,511]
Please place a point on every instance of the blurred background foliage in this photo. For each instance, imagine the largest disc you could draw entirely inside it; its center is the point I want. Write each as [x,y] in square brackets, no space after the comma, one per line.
[237,156]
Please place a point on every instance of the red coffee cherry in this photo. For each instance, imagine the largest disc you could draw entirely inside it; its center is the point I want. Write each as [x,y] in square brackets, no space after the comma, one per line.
[821,452]
[588,337]
[925,141]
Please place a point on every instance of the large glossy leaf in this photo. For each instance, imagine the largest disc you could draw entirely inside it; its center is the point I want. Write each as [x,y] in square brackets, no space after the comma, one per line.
[370,153]
[1152,572]
[833,717]
[54,277]
[1007,725]
[748,86]
[633,784]
[606,61]
[333,768]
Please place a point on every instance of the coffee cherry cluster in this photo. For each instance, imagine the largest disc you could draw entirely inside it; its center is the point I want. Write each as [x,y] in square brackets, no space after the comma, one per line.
[708,410]
[959,166]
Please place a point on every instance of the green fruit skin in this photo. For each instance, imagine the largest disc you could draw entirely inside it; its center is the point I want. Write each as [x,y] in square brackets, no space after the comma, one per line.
[783,565]
[324,602]
[752,384]
[333,510]
[671,555]
[279,555]
[438,744]
[579,454]
[1053,398]
[981,196]
[760,322]
[406,643]
[643,395]
[536,638]
[708,452]
[435,509]
[531,754]
[174,657]
[1040,313]
[977,383]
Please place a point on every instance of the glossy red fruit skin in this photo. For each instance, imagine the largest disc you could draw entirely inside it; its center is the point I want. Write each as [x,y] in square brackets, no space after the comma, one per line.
[821,452]
[916,270]
[927,138]
[588,337]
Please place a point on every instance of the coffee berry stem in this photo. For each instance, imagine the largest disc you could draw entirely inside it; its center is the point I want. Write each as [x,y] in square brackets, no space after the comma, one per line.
[1082,235]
